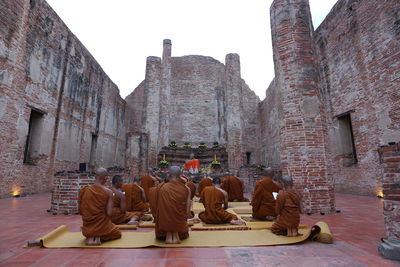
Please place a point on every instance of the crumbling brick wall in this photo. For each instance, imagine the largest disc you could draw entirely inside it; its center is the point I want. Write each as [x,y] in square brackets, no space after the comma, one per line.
[390,156]
[45,68]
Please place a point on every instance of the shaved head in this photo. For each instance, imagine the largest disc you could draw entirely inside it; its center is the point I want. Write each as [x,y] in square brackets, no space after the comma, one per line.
[174,171]
[287,181]
[268,171]
[101,172]
[136,179]
[216,181]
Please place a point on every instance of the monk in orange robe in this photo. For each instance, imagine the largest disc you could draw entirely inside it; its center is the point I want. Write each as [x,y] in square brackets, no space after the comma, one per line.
[148,181]
[263,202]
[135,197]
[288,209]
[215,201]
[119,214]
[172,208]
[206,181]
[234,187]
[95,205]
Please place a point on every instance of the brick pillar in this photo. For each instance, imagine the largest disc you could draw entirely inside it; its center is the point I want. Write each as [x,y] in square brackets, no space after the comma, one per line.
[152,107]
[234,111]
[302,130]
[391,189]
[165,94]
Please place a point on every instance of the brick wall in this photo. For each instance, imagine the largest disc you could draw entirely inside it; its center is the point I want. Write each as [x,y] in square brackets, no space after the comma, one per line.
[44,66]
[390,156]
[66,186]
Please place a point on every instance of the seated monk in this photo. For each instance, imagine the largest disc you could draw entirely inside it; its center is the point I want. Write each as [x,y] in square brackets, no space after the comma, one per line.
[119,214]
[215,201]
[135,197]
[288,209]
[234,187]
[206,181]
[172,208]
[263,202]
[95,205]
[148,181]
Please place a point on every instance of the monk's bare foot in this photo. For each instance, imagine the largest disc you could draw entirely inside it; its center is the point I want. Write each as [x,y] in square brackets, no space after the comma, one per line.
[270,218]
[194,220]
[237,222]
[292,232]
[146,218]
[169,238]
[89,241]
[97,241]
[177,240]
[133,222]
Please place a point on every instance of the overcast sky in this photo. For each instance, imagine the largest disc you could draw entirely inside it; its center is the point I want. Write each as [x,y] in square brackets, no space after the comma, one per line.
[120,34]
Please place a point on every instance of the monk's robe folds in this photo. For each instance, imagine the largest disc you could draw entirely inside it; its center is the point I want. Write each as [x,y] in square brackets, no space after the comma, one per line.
[147,182]
[92,206]
[134,199]
[263,202]
[234,187]
[203,183]
[171,209]
[192,188]
[152,199]
[288,211]
[119,217]
[213,200]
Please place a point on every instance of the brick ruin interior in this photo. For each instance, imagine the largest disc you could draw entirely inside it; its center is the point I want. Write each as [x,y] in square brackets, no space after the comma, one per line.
[326,118]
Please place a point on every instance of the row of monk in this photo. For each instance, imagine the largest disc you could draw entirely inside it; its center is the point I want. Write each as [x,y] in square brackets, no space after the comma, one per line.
[170,202]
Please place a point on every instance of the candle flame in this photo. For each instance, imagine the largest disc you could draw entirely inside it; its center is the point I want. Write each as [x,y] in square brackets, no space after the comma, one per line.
[16,191]
[379,192]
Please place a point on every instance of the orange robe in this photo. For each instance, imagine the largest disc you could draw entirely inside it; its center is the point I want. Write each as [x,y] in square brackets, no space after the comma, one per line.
[92,206]
[171,200]
[263,201]
[234,187]
[213,201]
[119,217]
[152,199]
[288,211]
[203,183]
[134,199]
[192,188]
[146,182]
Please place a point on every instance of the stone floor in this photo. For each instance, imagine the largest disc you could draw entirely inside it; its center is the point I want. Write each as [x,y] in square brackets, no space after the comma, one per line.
[357,231]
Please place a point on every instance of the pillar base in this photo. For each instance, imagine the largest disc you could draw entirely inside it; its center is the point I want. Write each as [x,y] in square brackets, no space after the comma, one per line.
[390,249]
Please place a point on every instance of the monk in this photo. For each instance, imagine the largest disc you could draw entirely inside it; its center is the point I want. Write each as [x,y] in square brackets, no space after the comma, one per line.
[135,196]
[288,209]
[119,214]
[95,205]
[172,208]
[234,187]
[263,202]
[215,201]
[148,181]
[206,181]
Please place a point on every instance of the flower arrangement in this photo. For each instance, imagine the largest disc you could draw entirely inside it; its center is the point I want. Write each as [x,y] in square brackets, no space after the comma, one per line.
[172,144]
[215,145]
[202,145]
[163,163]
[215,164]
[187,145]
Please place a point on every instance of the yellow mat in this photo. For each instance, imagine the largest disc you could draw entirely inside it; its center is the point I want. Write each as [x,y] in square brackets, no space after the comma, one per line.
[62,238]
[324,235]
[243,210]
[226,226]
[150,224]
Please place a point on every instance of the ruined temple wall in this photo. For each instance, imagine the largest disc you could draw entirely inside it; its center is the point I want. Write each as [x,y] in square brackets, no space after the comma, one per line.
[197,95]
[270,117]
[358,51]
[45,67]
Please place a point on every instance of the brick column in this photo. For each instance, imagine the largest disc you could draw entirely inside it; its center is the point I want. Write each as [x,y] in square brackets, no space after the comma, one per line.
[302,129]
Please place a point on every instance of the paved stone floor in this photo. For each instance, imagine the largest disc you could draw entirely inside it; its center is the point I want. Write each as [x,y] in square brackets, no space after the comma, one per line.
[357,231]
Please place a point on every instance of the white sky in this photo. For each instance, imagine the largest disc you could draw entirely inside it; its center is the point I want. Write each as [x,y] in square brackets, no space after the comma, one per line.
[120,34]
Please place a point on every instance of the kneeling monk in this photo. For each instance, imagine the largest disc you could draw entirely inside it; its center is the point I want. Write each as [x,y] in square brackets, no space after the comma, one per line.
[119,214]
[135,197]
[172,208]
[234,187]
[263,202]
[215,201]
[288,209]
[95,205]
[206,181]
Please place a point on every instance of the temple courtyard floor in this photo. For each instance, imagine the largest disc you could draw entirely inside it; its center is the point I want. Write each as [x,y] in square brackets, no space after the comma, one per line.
[357,230]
